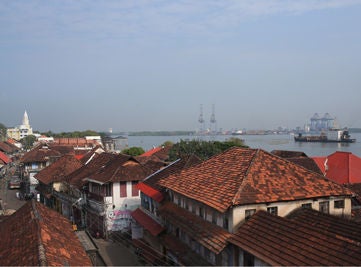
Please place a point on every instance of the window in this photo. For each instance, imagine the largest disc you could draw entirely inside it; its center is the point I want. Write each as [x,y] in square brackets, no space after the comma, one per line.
[123,189]
[225,222]
[273,210]
[307,206]
[249,213]
[214,217]
[108,189]
[201,212]
[339,204]
[324,207]
[145,202]
[248,259]
[135,191]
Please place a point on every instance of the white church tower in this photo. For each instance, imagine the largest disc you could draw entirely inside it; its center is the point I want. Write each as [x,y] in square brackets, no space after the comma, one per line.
[25,128]
[22,130]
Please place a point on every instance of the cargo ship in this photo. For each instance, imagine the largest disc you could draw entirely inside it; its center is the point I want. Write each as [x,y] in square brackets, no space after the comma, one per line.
[330,136]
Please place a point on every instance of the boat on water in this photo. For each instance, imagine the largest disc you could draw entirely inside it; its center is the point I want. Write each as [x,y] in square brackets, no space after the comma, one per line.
[330,136]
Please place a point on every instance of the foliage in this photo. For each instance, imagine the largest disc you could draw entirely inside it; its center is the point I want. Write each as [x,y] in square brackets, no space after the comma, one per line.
[75,134]
[133,151]
[167,143]
[28,141]
[2,132]
[202,149]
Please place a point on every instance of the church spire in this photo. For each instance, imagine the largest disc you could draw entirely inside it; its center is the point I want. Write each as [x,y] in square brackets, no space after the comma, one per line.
[26,119]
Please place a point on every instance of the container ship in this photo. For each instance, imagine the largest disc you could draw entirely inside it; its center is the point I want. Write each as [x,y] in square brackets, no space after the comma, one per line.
[330,136]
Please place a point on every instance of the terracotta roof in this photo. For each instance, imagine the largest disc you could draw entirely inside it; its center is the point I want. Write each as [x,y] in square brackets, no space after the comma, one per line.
[150,192]
[96,162]
[38,236]
[147,222]
[150,185]
[299,158]
[79,142]
[121,168]
[341,167]
[173,168]
[4,158]
[280,241]
[327,223]
[57,171]
[207,234]
[43,153]
[241,176]
[160,153]
[8,147]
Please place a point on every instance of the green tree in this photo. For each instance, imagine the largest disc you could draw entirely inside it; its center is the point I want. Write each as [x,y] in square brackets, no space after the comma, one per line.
[2,132]
[202,149]
[133,151]
[167,143]
[28,141]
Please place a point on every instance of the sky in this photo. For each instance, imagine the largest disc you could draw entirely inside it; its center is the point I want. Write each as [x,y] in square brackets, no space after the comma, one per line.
[149,65]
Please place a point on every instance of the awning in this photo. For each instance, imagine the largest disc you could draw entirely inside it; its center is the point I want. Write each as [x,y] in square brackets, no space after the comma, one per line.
[150,191]
[147,222]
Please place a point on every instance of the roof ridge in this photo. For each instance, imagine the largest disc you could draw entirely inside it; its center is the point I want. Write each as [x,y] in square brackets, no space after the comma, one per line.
[244,180]
[41,248]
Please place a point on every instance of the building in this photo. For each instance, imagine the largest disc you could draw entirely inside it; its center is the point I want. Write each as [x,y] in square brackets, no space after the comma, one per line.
[22,130]
[37,236]
[210,201]
[305,237]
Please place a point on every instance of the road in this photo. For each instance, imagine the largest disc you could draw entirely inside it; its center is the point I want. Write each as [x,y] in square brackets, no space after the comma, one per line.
[8,200]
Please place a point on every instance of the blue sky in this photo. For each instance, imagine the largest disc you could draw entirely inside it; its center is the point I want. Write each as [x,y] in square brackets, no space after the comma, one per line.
[149,65]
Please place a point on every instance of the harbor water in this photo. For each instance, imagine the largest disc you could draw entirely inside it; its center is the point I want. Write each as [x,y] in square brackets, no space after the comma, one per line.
[265,142]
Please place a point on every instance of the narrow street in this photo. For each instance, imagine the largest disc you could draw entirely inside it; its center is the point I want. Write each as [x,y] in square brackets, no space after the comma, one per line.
[8,200]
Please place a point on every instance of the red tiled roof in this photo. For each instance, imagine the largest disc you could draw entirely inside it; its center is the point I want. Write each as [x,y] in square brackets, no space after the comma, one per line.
[4,158]
[241,176]
[43,153]
[38,236]
[150,191]
[147,222]
[327,223]
[57,171]
[299,158]
[280,241]
[96,161]
[79,142]
[172,168]
[207,234]
[121,168]
[341,167]
[8,147]
[157,153]
[150,152]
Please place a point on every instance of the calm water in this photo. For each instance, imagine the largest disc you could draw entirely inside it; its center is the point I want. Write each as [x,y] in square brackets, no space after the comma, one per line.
[266,142]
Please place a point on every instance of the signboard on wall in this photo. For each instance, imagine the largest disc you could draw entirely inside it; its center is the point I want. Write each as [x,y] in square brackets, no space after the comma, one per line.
[119,220]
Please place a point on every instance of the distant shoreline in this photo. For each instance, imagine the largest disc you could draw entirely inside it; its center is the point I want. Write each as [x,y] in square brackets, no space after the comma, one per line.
[193,133]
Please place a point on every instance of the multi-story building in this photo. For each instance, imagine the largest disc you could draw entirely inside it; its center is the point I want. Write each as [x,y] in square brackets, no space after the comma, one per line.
[210,201]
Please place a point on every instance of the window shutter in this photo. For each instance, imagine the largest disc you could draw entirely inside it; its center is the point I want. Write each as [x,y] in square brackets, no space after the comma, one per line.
[123,189]
[135,191]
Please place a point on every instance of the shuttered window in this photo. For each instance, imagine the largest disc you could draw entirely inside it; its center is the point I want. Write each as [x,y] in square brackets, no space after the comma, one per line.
[135,191]
[123,189]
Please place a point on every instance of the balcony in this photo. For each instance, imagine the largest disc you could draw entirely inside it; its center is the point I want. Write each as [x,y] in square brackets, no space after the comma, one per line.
[99,202]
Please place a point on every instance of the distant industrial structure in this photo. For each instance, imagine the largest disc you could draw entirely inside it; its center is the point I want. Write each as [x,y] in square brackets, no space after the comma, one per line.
[212,129]
[318,123]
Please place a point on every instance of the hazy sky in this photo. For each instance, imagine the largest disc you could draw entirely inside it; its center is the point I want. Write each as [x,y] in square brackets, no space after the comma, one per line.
[149,65]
